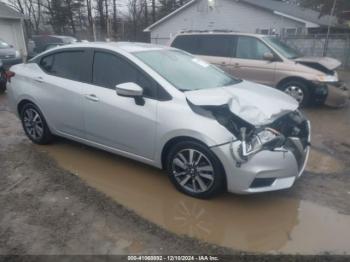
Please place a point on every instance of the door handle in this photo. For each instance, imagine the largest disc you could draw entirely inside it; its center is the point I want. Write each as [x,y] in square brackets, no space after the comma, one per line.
[39,79]
[92,97]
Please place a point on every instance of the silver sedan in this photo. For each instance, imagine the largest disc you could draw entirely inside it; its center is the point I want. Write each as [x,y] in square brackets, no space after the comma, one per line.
[166,108]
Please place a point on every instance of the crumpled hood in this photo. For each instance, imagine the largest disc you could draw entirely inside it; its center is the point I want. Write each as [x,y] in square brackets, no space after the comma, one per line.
[327,62]
[255,103]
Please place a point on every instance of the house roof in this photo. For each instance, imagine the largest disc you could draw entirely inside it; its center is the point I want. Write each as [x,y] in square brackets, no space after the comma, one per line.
[295,10]
[289,9]
[8,12]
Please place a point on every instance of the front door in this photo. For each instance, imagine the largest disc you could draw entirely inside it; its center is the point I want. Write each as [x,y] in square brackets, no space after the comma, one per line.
[116,121]
[249,62]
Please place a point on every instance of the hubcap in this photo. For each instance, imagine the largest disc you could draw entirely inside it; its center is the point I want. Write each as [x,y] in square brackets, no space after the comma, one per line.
[193,171]
[33,123]
[295,92]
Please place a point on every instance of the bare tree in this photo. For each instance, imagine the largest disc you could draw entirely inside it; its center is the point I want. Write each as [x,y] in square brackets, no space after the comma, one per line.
[135,8]
[146,12]
[89,17]
[153,11]
[69,12]
[115,26]
[101,16]
[22,7]
[36,14]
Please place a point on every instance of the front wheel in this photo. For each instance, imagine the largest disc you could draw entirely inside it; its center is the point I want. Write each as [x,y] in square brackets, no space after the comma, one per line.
[195,170]
[298,90]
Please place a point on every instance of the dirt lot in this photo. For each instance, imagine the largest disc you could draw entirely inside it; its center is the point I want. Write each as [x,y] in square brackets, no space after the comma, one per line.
[66,198]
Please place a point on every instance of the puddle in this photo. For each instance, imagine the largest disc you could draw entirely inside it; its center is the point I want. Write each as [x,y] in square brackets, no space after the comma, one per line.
[257,223]
[324,163]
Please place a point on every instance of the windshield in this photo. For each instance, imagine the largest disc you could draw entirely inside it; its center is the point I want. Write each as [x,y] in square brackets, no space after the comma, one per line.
[4,44]
[282,48]
[184,71]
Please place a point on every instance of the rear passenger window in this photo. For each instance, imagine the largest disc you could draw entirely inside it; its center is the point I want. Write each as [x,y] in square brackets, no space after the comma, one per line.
[110,70]
[251,48]
[207,45]
[187,43]
[216,45]
[64,64]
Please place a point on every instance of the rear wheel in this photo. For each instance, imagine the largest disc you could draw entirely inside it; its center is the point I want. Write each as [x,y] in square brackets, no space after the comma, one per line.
[195,170]
[34,124]
[298,90]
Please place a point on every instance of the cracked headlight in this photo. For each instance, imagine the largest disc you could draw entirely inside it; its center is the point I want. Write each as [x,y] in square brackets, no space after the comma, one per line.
[328,78]
[262,139]
[265,139]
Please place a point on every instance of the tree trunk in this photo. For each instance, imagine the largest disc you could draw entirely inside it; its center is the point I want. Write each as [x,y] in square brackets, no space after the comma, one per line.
[115,27]
[107,21]
[102,16]
[89,13]
[70,15]
[153,11]
[146,13]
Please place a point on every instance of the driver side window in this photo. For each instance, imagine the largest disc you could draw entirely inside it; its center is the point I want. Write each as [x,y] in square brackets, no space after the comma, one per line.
[110,70]
[251,48]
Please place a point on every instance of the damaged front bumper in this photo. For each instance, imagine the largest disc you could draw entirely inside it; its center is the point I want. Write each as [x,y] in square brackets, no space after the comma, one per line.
[338,95]
[331,94]
[267,170]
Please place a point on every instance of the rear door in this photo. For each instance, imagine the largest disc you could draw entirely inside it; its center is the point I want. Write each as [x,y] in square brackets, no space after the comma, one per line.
[60,89]
[249,63]
[214,48]
[117,121]
[217,50]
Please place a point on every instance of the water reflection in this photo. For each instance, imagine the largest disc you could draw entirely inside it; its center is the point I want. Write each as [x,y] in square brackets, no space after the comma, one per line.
[251,223]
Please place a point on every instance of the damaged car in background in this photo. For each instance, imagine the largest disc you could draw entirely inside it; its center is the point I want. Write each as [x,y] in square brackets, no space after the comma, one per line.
[269,61]
[166,108]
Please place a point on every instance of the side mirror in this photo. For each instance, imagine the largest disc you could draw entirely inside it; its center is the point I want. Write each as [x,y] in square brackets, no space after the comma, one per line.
[129,89]
[269,56]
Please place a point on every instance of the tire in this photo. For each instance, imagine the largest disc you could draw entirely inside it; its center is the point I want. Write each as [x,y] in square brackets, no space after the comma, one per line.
[203,177]
[298,90]
[34,124]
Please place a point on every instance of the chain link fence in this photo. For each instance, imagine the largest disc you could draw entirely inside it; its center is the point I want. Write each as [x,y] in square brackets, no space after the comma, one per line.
[314,45]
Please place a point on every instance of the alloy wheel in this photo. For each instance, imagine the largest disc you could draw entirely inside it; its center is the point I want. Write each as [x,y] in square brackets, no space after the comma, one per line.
[193,171]
[33,123]
[296,92]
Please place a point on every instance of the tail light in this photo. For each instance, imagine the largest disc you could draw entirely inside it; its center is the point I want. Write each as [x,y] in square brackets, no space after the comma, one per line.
[9,74]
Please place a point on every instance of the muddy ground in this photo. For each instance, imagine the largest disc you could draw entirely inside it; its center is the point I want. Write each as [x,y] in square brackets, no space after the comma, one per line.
[66,198]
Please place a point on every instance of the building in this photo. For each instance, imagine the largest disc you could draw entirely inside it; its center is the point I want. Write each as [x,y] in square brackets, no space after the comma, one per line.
[251,16]
[11,28]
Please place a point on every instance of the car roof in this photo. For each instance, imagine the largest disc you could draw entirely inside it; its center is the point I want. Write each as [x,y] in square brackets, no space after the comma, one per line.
[129,47]
[219,33]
